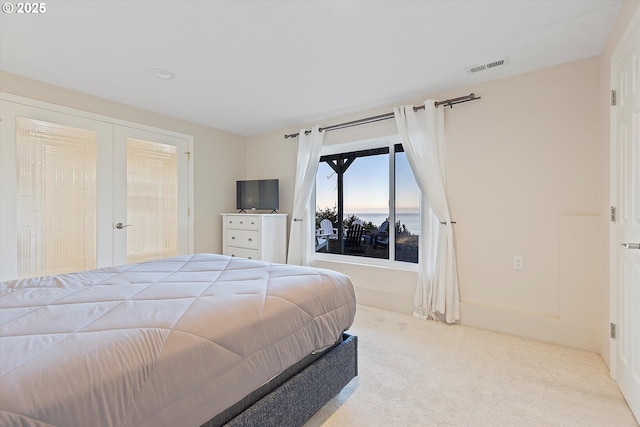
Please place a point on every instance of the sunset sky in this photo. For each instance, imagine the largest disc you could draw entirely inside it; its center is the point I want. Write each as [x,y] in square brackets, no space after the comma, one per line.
[366,186]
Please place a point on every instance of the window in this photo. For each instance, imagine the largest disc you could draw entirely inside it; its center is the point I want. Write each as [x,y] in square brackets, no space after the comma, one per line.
[368,196]
[407,210]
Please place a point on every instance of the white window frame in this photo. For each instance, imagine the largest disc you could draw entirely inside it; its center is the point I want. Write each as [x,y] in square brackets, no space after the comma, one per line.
[383,142]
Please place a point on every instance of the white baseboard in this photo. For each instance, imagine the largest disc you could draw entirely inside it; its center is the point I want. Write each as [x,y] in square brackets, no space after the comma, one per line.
[384,300]
[540,328]
[526,325]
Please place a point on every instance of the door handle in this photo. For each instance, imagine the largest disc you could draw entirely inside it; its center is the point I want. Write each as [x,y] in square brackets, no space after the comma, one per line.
[631,245]
[120,225]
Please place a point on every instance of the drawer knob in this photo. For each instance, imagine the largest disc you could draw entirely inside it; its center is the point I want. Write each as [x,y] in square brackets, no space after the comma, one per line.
[250,239]
[233,237]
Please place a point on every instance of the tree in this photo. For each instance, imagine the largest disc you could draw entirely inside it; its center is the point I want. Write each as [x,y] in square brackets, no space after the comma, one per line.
[327,213]
[368,226]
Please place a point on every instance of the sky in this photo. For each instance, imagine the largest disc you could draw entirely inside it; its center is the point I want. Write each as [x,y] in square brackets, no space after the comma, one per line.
[366,186]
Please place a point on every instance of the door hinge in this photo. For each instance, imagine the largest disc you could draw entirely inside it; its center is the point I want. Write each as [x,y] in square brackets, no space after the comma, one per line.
[613,330]
[188,153]
[188,211]
[613,98]
[613,214]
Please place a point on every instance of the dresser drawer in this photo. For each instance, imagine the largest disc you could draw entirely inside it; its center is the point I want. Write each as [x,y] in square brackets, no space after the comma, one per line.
[242,222]
[254,235]
[243,238]
[241,252]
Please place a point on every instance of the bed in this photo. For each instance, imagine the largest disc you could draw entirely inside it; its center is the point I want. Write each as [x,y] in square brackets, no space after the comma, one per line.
[191,340]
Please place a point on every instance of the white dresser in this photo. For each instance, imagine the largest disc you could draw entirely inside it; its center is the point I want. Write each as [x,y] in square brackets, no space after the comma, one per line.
[255,236]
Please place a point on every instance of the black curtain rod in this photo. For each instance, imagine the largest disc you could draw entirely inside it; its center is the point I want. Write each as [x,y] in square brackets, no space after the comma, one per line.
[447,102]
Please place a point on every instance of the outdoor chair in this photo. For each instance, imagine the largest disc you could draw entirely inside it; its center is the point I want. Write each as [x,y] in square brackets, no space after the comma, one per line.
[381,236]
[324,233]
[353,240]
[321,243]
[327,230]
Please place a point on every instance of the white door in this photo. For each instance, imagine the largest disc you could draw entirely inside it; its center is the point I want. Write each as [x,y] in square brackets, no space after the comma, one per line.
[26,247]
[57,217]
[625,231]
[150,201]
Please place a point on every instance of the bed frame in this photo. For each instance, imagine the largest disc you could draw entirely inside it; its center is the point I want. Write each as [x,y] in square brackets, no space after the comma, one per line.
[294,396]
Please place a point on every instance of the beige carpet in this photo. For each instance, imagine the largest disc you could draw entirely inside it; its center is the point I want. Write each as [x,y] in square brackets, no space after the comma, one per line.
[423,373]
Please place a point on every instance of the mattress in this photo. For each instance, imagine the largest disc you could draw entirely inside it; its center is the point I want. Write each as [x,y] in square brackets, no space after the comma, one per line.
[163,343]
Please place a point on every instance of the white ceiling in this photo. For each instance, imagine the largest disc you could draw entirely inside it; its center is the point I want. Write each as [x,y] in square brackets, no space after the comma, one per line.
[250,67]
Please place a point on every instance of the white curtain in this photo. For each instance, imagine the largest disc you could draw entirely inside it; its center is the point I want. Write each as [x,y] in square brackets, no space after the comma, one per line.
[303,218]
[422,135]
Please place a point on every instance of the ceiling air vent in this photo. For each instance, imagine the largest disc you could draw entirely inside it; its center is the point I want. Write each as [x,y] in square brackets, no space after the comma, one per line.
[476,68]
[482,67]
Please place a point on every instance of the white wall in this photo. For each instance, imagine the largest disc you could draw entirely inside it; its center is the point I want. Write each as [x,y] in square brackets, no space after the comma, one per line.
[524,178]
[219,159]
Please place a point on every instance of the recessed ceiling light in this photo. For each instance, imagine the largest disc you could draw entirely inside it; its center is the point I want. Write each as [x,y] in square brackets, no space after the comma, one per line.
[162,74]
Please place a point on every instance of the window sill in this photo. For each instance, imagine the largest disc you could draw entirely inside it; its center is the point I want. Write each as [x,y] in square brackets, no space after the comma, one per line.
[364,261]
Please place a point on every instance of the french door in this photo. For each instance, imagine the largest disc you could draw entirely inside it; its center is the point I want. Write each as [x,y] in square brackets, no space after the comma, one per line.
[625,230]
[79,193]
[152,174]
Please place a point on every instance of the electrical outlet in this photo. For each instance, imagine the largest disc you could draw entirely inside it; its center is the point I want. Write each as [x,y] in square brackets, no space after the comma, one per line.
[518,263]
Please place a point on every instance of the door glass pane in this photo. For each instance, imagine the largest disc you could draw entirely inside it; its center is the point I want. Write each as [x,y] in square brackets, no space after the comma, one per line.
[152,200]
[56,207]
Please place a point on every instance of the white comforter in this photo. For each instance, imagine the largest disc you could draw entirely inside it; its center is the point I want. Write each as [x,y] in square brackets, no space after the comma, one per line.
[163,343]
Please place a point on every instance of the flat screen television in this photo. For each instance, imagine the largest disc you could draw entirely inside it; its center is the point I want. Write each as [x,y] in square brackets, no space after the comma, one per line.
[257,194]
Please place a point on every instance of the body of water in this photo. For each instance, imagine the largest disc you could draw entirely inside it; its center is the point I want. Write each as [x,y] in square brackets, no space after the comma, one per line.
[411,221]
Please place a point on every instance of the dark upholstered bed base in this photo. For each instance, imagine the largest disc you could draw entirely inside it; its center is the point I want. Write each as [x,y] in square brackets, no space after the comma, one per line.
[294,396]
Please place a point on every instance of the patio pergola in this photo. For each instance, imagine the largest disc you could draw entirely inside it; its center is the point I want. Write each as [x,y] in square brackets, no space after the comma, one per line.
[340,163]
